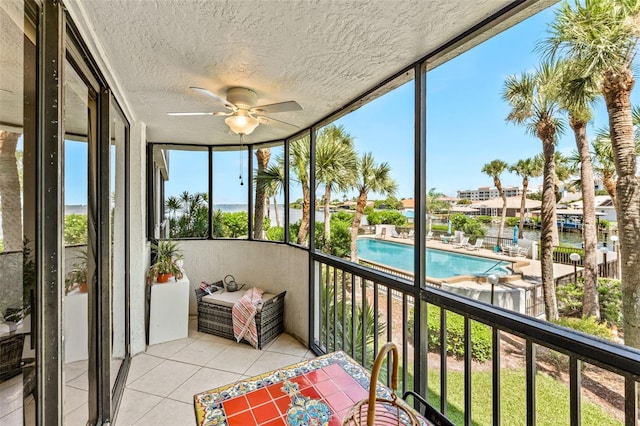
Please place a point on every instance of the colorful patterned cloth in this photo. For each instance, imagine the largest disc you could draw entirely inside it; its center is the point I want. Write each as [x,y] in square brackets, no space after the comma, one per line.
[318,391]
[244,316]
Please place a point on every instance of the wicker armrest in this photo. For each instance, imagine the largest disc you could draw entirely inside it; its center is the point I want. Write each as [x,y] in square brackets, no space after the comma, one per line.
[200,293]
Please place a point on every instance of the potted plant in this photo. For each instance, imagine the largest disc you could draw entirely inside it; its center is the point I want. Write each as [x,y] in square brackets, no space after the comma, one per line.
[166,266]
[77,276]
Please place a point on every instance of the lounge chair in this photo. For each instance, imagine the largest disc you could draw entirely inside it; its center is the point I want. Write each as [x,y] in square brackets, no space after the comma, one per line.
[477,245]
[411,234]
[429,235]
[462,244]
[522,251]
[507,250]
[394,233]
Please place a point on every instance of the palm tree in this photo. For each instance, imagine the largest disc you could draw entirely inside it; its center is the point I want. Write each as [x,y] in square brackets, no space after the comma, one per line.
[527,168]
[534,105]
[371,177]
[494,169]
[335,168]
[275,184]
[10,192]
[603,161]
[299,155]
[601,38]
[173,205]
[434,204]
[263,155]
[576,97]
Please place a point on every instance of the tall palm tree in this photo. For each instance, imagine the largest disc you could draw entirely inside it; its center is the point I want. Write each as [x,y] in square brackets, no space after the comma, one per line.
[336,162]
[275,184]
[604,164]
[601,37]
[434,204]
[263,155]
[527,168]
[533,104]
[299,158]
[10,192]
[494,169]
[371,177]
[173,205]
[576,97]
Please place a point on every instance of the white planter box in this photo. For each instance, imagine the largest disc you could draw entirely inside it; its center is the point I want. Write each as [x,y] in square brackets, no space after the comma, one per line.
[169,311]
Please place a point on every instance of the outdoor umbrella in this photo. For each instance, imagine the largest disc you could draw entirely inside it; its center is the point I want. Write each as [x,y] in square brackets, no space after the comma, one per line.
[449,228]
[515,234]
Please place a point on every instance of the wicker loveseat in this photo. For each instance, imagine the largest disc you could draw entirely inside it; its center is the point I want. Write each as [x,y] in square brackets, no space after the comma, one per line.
[214,314]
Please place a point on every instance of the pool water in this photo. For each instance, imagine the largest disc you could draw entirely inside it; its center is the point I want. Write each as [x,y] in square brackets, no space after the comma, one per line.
[439,263]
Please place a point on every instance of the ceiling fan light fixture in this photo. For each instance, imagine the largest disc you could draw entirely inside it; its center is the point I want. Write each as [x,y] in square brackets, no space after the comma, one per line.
[241,123]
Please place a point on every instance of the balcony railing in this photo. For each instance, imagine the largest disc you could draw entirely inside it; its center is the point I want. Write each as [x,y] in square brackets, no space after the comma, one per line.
[358,309]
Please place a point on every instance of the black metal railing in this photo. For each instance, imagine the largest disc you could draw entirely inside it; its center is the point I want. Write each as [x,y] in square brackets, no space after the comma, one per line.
[358,309]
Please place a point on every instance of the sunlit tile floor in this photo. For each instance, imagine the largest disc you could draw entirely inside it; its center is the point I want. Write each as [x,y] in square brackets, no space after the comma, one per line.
[162,381]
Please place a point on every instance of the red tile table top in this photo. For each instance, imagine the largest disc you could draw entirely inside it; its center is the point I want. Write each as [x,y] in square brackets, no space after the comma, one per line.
[315,392]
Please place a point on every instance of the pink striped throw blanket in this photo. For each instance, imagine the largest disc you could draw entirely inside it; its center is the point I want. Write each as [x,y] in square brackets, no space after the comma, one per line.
[244,316]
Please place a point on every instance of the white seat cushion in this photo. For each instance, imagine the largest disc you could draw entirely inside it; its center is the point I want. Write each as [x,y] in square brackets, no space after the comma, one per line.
[228,299]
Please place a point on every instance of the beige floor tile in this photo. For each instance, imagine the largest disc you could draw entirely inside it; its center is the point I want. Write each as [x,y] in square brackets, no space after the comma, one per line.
[216,339]
[165,350]
[140,365]
[134,405]
[164,379]
[74,370]
[74,399]
[10,395]
[204,380]
[12,419]
[289,345]
[169,413]
[77,417]
[271,360]
[80,382]
[236,358]
[199,352]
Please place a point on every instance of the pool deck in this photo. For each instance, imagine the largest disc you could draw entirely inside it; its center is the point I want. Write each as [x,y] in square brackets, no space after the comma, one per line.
[529,268]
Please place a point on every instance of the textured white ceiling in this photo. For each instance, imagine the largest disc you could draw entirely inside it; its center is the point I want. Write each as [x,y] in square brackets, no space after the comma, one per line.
[320,53]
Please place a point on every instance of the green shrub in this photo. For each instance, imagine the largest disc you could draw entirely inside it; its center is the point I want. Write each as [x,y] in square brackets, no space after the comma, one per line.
[512,221]
[342,216]
[484,219]
[481,339]
[570,297]
[438,227]
[390,217]
[275,233]
[75,229]
[587,325]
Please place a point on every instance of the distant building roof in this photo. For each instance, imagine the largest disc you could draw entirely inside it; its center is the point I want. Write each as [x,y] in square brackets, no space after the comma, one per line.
[512,203]
[407,203]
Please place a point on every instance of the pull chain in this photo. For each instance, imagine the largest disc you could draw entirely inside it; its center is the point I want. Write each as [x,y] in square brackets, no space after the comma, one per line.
[241,162]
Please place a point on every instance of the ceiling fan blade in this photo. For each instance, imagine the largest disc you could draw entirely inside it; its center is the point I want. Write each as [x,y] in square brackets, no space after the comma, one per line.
[181,114]
[279,107]
[217,98]
[273,122]
[223,114]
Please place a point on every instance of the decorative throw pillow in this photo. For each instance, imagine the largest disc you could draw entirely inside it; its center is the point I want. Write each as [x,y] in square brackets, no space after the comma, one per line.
[210,288]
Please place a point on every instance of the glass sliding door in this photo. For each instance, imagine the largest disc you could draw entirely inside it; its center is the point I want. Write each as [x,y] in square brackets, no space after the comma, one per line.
[118,259]
[18,51]
[79,271]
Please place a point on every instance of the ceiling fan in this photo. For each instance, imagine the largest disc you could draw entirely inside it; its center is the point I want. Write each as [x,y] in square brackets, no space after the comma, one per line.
[244,114]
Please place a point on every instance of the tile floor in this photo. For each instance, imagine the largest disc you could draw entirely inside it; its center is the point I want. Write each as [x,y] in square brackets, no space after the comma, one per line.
[162,381]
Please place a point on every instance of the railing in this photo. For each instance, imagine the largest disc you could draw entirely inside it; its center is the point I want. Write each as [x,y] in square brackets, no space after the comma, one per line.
[491,242]
[357,310]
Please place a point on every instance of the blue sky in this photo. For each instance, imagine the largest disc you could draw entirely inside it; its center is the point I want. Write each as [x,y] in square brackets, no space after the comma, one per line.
[466,125]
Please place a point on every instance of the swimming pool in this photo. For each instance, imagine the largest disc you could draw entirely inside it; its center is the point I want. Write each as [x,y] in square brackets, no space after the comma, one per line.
[439,263]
